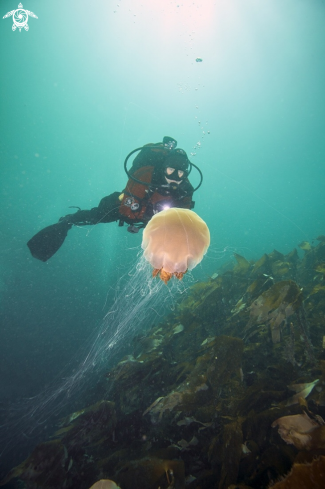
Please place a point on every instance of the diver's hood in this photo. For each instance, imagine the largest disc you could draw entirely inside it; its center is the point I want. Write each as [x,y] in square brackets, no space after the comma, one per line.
[177,159]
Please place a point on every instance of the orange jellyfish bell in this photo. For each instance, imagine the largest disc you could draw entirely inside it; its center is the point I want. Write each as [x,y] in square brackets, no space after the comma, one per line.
[174,241]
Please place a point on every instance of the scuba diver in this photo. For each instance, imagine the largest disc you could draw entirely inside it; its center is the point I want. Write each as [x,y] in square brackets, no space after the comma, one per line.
[158,179]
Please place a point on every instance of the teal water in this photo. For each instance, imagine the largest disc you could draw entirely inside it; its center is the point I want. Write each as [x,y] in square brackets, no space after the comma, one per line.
[89,82]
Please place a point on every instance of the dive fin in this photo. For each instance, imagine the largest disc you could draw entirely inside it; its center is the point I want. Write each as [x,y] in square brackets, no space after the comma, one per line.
[47,241]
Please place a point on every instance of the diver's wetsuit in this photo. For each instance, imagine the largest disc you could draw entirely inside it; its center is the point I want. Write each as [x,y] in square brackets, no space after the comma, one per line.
[147,192]
[107,211]
[110,207]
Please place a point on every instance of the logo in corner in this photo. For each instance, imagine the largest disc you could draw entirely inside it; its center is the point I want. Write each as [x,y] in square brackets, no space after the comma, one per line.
[20,18]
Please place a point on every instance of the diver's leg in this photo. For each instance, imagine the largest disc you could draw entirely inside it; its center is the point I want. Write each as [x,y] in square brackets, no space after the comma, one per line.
[81,218]
[47,241]
[107,211]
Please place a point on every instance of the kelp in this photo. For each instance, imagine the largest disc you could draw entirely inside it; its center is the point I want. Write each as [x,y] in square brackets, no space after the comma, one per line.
[275,306]
[302,391]
[220,360]
[304,476]
[305,245]
[194,400]
[242,264]
[90,426]
[151,473]
[297,430]
[45,467]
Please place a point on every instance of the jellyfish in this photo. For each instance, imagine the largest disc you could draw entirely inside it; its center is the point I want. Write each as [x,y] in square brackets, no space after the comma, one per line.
[174,241]
[104,484]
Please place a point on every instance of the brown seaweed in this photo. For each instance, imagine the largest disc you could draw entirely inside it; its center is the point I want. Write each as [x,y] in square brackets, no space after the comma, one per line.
[194,400]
